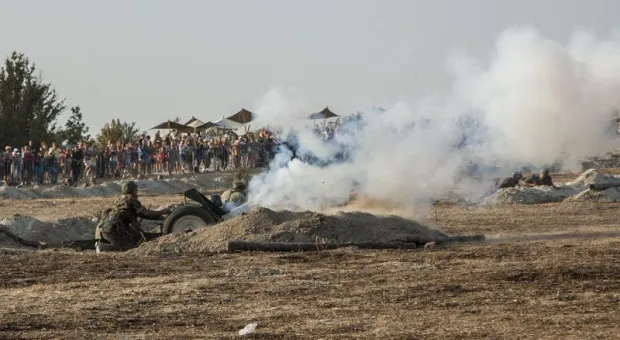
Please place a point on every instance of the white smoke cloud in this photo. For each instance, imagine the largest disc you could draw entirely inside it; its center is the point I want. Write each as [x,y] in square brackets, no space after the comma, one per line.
[536,102]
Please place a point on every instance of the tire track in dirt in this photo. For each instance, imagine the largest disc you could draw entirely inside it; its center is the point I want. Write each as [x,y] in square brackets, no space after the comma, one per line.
[566,235]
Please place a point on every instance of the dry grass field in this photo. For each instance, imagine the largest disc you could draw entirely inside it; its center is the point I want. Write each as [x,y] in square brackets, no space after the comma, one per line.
[548,271]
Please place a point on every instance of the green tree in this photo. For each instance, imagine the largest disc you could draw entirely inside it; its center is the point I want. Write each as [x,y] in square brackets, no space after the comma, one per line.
[116,131]
[29,106]
[75,129]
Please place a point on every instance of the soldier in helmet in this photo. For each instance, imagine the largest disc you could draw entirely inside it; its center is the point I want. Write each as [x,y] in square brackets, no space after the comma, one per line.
[120,227]
[541,179]
[545,178]
[235,196]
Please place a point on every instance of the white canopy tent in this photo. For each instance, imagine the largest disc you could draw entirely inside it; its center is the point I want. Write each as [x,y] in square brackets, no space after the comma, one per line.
[227,124]
[195,123]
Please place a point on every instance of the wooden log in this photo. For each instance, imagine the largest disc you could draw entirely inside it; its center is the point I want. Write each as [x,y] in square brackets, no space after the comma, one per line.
[239,245]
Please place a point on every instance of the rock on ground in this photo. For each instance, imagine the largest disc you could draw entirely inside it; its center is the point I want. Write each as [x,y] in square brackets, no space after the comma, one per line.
[265,225]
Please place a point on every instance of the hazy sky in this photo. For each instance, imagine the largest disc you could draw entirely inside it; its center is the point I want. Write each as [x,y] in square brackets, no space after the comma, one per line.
[150,60]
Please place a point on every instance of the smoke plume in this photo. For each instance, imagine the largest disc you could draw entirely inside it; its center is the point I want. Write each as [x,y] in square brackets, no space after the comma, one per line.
[537,102]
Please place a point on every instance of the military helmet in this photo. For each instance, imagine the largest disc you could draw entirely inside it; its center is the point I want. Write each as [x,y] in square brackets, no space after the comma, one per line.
[128,187]
[239,185]
[517,175]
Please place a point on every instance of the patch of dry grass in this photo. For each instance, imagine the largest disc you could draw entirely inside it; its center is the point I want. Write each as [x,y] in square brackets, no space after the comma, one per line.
[54,209]
[563,287]
[520,218]
[551,290]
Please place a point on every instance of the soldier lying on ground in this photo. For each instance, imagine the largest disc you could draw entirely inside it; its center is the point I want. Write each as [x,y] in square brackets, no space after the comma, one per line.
[546,178]
[511,182]
[120,228]
[533,180]
[542,179]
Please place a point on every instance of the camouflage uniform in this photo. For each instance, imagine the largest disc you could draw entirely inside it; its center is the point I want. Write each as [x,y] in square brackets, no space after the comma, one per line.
[236,195]
[120,226]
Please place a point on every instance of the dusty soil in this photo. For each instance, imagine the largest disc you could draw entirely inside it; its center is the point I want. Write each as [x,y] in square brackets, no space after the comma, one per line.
[549,271]
[265,225]
[543,290]
[176,184]
[54,209]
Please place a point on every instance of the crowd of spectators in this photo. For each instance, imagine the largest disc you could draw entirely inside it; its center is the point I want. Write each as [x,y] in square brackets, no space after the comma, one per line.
[327,130]
[169,154]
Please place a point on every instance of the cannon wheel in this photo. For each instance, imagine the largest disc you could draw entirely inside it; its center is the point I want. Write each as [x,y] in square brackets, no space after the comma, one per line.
[186,219]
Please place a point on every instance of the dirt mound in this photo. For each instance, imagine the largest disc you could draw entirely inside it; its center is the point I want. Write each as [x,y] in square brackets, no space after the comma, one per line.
[610,195]
[179,184]
[530,195]
[592,176]
[31,229]
[576,190]
[16,193]
[8,239]
[608,160]
[266,225]
[103,190]
[109,189]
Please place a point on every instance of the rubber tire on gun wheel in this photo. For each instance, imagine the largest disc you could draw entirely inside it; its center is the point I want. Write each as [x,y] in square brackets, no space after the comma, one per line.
[186,211]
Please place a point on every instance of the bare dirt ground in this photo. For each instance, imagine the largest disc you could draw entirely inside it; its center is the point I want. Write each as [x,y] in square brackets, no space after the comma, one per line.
[560,281]
[54,209]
